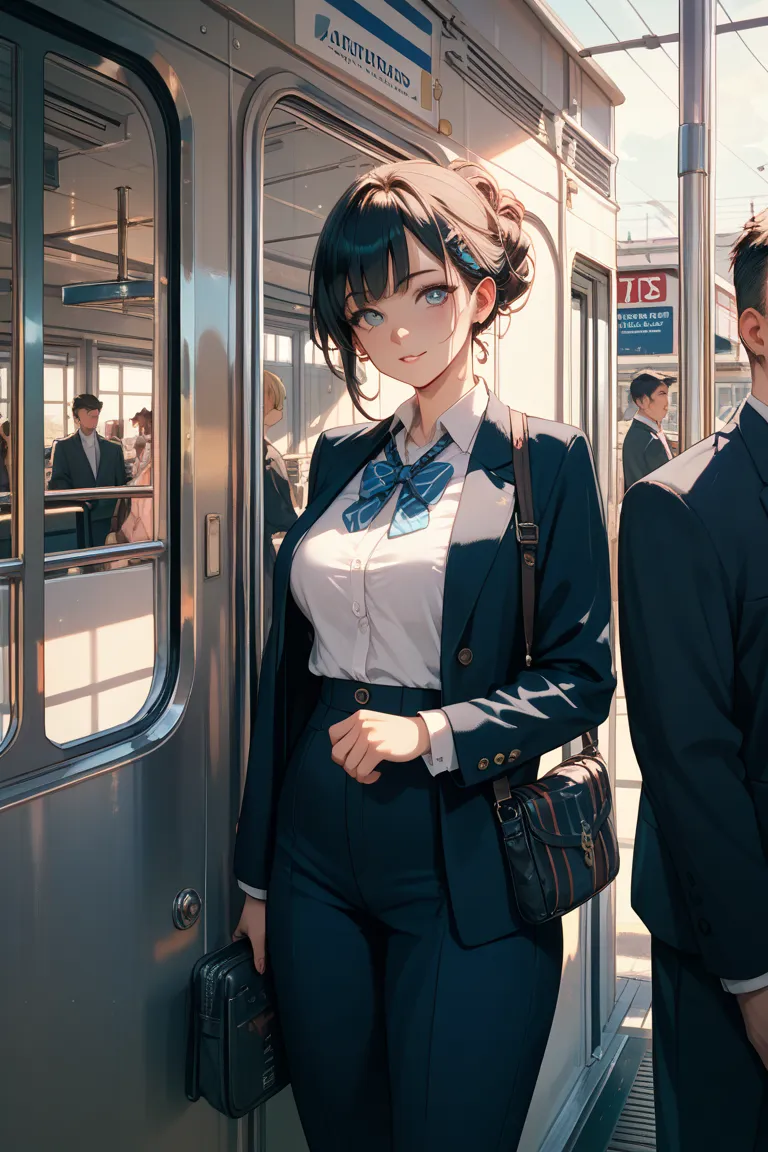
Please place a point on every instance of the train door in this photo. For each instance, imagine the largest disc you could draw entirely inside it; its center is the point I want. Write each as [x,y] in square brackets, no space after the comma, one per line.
[110,734]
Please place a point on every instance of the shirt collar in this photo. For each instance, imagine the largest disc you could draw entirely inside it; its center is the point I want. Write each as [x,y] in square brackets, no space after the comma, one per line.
[87,439]
[461,421]
[758,405]
[647,420]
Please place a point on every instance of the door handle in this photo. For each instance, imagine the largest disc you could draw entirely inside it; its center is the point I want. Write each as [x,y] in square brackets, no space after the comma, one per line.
[187,906]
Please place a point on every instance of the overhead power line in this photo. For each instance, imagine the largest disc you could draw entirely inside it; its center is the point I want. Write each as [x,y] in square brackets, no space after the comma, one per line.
[663,91]
[752,54]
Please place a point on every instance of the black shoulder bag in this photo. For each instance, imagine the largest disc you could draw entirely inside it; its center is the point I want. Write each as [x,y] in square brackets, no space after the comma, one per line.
[558,833]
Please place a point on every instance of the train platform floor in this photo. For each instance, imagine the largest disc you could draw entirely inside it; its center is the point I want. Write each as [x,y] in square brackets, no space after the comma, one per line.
[623,1119]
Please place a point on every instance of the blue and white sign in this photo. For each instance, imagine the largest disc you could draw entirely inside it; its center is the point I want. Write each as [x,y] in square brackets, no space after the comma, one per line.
[385,43]
[646,331]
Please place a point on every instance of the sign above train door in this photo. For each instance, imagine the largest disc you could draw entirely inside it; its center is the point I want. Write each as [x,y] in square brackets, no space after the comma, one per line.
[387,44]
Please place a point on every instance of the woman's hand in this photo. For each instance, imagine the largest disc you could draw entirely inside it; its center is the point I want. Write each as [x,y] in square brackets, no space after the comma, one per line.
[364,739]
[253,924]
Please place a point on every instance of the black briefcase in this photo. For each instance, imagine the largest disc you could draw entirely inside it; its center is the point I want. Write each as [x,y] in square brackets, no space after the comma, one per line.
[235,1056]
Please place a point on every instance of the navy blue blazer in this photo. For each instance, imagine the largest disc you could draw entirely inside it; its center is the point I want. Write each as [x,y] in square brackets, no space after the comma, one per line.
[693,605]
[71,469]
[567,691]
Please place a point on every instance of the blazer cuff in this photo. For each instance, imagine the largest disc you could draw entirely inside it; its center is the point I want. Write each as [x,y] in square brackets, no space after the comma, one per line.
[753,985]
[257,893]
[442,750]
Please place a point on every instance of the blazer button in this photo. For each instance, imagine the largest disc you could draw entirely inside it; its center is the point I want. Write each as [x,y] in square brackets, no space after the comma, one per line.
[483,764]
[705,927]
[362,695]
[465,656]
[513,754]
[499,758]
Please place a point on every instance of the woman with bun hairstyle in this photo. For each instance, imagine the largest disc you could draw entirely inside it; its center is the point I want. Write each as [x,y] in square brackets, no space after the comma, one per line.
[414,1001]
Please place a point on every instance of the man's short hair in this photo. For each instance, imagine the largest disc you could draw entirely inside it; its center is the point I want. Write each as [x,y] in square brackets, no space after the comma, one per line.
[645,383]
[88,401]
[749,264]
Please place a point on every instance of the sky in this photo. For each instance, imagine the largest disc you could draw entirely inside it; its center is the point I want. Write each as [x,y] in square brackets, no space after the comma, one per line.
[647,123]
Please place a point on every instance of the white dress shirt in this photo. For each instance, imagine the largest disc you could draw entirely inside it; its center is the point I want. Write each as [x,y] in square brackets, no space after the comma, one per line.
[91,448]
[376,603]
[658,430]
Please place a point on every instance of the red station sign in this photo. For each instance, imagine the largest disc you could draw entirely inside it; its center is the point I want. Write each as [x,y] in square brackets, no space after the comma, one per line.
[642,288]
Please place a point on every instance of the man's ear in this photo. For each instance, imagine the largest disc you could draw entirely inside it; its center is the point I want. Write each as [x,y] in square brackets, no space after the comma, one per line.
[752,331]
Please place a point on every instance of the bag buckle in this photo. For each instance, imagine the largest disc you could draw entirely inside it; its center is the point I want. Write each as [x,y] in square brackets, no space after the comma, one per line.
[587,844]
[527,534]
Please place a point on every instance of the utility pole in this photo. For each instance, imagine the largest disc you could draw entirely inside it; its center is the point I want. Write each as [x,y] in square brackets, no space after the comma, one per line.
[696,171]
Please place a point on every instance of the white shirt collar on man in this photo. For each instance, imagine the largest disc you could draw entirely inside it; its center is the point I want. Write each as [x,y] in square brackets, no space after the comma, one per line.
[91,448]
[659,431]
[758,405]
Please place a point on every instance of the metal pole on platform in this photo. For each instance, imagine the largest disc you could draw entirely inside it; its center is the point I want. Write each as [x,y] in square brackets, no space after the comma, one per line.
[696,171]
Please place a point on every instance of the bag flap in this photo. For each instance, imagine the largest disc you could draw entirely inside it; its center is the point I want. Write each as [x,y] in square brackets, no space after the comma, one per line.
[572,799]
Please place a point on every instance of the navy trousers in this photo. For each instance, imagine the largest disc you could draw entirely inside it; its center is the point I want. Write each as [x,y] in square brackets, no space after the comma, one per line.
[710,1085]
[399,1038]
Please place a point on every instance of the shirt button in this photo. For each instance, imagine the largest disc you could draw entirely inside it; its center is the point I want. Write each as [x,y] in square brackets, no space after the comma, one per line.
[357,564]
[363,625]
[356,608]
[483,764]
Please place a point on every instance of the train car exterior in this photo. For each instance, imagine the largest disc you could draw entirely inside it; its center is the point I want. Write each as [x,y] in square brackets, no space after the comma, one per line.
[164,169]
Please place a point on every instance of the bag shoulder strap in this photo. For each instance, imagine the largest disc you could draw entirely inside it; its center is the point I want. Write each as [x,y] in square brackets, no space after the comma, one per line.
[526,528]
[527,532]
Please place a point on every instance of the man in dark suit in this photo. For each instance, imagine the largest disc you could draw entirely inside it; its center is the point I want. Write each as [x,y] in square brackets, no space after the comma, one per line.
[645,446]
[279,511]
[695,657]
[87,460]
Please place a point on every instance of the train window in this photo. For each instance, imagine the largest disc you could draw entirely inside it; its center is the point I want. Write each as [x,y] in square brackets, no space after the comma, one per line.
[100,399]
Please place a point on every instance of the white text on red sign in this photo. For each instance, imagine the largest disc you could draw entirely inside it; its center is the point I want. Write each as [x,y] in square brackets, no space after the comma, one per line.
[642,288]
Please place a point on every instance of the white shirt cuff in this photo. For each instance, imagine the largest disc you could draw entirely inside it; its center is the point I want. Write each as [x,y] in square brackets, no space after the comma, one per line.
[257,893]
[442,750]
[753,985]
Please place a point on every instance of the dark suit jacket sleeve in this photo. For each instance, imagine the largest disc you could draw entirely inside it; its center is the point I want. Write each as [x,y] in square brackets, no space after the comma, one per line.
[279,512]
[253,846]
[569,687]
[61,477]
[677,644]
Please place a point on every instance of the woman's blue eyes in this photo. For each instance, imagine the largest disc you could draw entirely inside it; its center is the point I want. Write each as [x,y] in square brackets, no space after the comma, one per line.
[433,296]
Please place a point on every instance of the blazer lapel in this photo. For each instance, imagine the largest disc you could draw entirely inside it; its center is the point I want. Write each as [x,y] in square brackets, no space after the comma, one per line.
[483,516]
[754,431]
[80,461]
[102,478]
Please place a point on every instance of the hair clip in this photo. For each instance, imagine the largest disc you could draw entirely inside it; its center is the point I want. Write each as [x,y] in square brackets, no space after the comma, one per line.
[468,259]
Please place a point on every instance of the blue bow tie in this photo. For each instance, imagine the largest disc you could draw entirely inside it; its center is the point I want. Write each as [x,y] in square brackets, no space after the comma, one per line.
[423,484]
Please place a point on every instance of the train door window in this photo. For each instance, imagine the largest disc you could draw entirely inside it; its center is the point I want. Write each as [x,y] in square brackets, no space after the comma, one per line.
[305,170]
[103,278]
[590,378]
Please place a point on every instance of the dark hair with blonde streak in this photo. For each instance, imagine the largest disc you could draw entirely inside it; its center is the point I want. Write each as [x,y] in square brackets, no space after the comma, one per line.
[459,214]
